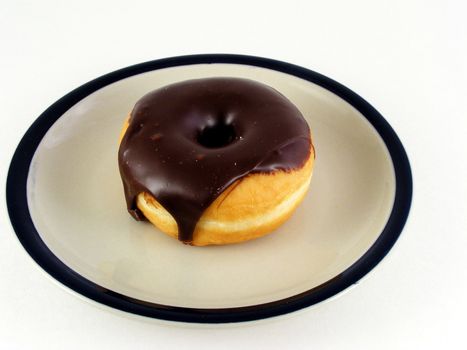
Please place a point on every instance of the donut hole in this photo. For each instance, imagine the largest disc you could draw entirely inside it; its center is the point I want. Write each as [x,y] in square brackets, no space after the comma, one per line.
[217,135]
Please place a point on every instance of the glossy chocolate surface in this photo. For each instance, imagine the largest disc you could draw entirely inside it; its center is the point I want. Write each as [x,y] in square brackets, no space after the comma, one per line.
[187,142]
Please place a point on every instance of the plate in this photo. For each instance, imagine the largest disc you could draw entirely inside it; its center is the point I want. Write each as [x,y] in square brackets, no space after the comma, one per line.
[66,203]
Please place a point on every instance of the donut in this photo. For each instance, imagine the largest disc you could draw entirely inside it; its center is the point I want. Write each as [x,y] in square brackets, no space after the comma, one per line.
[215,160]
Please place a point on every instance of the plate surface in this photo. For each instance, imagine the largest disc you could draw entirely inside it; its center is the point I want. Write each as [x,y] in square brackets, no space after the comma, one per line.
[66,203]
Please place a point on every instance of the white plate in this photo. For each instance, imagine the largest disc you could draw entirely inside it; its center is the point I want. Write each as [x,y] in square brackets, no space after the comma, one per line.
[66,202]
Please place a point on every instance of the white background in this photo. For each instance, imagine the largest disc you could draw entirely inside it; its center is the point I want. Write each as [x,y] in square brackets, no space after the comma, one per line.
[407,58]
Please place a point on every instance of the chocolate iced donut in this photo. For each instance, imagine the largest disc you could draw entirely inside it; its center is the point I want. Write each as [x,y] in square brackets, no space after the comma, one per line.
[197,147]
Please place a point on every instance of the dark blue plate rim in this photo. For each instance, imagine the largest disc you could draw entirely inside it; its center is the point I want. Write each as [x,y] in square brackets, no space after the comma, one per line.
[16,197]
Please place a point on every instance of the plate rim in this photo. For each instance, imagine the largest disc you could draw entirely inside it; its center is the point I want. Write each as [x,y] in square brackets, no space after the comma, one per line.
[18,210]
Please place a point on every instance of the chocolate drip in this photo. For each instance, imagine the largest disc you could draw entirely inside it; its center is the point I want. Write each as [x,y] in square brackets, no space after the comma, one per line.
[189,141]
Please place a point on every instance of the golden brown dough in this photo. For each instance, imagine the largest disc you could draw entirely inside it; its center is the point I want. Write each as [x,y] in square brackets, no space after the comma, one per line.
[250,208]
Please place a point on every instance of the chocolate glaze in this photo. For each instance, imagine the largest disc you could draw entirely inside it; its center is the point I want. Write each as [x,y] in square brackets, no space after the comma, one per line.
[189,141]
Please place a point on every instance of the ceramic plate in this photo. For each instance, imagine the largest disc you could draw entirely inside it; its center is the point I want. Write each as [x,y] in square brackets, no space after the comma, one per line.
[66,202]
